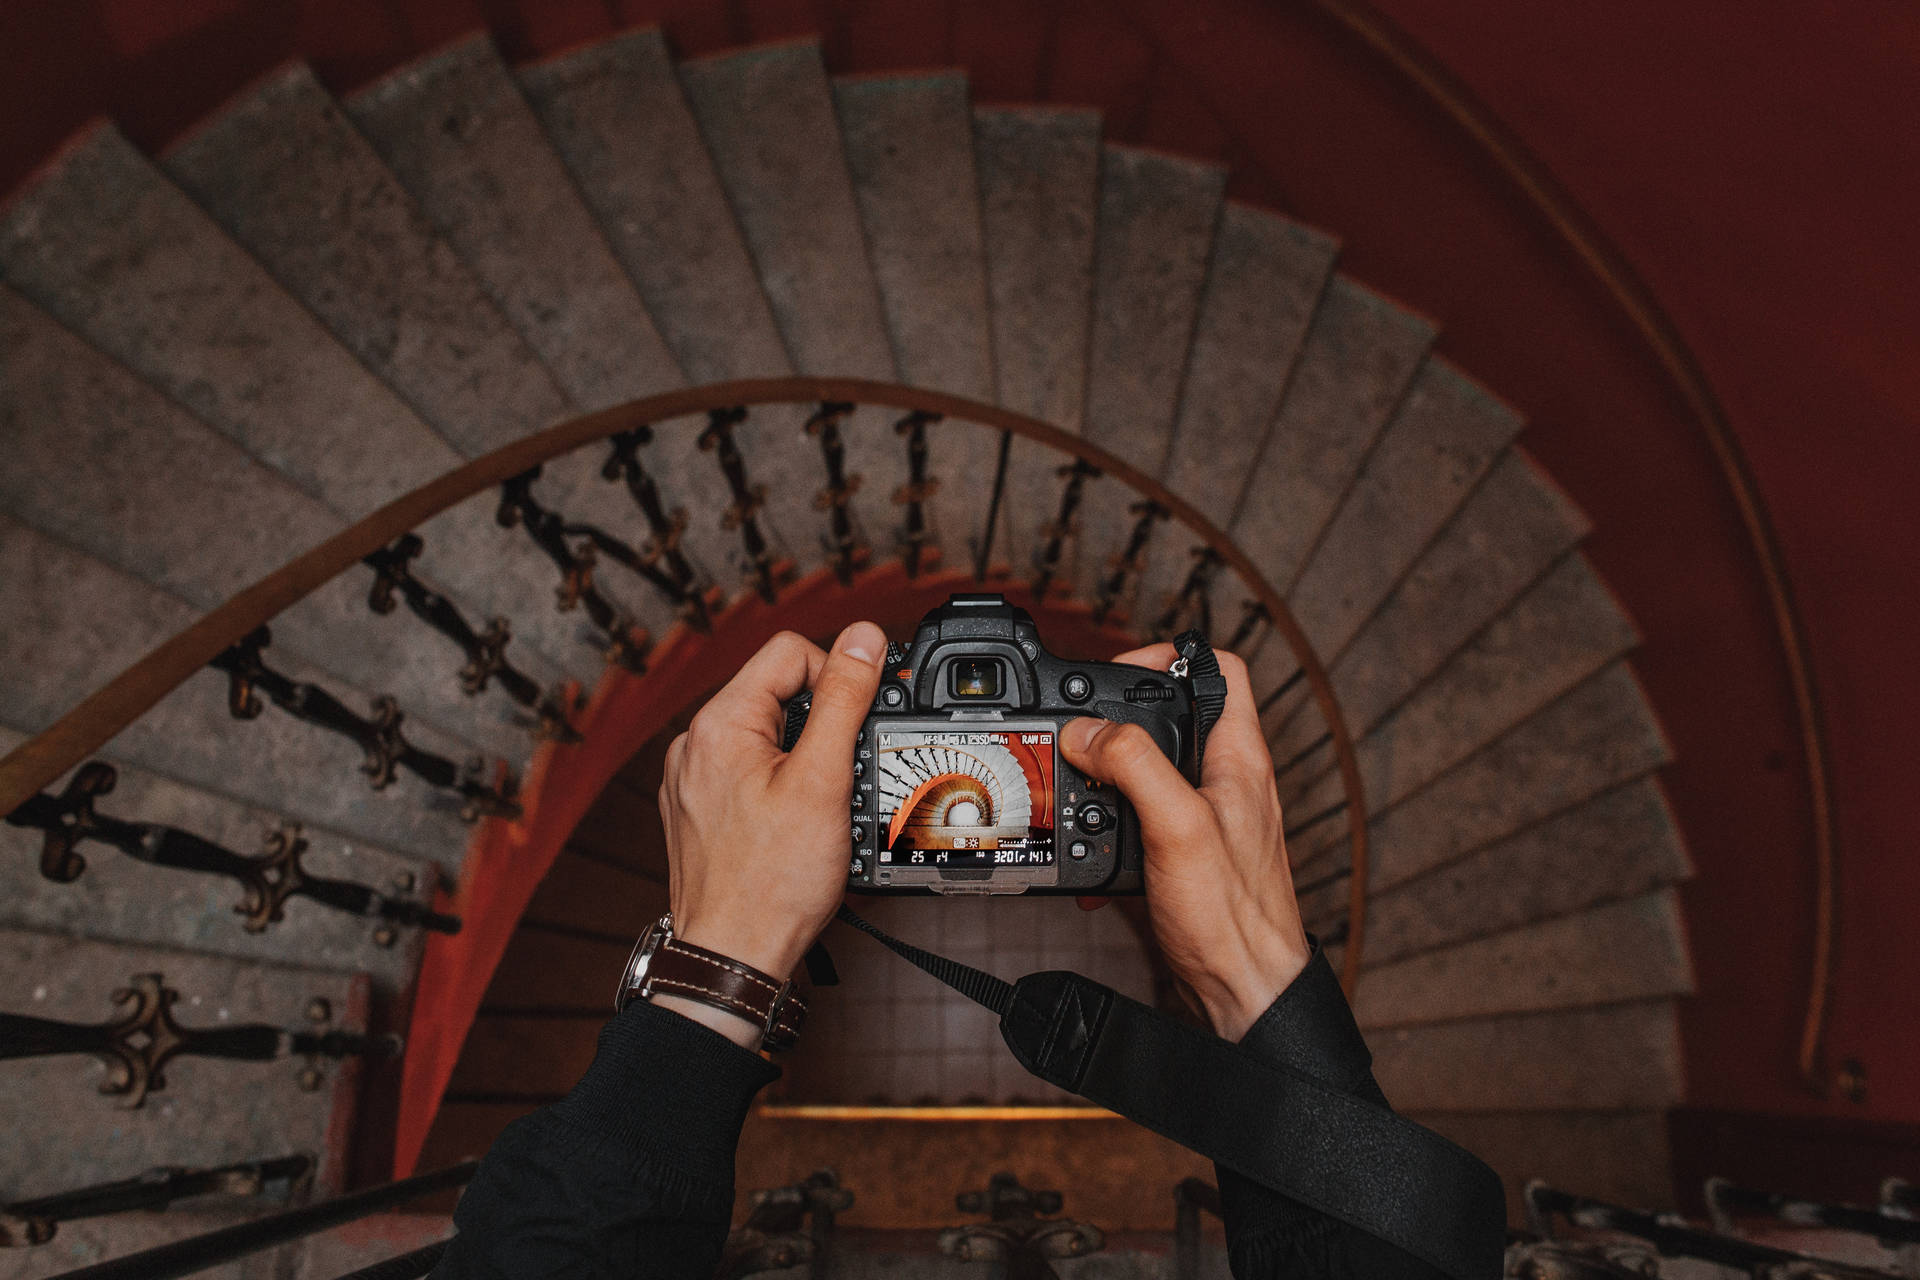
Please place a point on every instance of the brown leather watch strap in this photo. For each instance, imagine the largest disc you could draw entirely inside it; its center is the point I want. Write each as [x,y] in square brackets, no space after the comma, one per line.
[664,964]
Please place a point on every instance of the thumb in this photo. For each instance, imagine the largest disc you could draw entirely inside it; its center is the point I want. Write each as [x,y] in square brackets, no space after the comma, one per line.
[842,697]
[1127,756]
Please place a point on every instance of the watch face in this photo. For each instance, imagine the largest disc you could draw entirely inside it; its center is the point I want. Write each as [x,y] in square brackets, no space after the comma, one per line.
[633,978]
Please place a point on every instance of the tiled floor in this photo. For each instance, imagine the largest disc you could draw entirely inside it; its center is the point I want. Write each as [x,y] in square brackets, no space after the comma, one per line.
[890,1034]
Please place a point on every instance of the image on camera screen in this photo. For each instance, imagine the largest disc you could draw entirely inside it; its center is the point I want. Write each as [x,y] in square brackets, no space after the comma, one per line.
[966,798]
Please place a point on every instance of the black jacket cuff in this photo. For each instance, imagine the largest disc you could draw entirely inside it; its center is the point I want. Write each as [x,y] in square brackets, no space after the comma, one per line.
[665,1085]
[1310,1028]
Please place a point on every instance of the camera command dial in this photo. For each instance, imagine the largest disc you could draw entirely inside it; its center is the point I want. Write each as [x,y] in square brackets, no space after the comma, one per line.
[958,783]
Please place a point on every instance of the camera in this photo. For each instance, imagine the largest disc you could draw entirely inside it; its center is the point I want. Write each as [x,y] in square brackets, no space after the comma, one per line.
[958,785]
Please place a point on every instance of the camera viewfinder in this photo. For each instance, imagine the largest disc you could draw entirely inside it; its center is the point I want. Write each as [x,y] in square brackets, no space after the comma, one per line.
[975,678]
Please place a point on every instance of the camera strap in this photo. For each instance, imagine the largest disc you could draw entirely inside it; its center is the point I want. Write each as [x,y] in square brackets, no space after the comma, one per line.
[1302,1137]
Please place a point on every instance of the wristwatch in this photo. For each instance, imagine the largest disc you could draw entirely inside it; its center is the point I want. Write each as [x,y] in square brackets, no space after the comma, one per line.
[662,963]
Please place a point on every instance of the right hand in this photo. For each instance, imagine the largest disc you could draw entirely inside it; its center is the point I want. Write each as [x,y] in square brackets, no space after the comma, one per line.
[1219,888]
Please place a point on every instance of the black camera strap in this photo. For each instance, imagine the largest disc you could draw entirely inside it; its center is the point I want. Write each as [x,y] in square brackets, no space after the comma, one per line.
[1299,1136]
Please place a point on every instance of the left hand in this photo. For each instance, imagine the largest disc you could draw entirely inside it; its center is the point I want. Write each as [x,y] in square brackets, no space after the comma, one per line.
[757,842]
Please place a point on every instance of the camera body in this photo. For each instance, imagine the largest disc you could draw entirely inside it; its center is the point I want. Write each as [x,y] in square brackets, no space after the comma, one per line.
[959,786]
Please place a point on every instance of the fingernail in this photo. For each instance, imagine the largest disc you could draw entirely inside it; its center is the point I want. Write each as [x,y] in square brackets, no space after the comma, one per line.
[1078,733]
[862,640]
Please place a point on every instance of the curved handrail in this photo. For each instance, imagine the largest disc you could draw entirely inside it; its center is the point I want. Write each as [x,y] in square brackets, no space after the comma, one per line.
[129,695]
[1611,269]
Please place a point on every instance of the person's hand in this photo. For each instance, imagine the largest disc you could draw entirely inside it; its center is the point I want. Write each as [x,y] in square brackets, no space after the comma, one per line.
[1219,890]
[757,843]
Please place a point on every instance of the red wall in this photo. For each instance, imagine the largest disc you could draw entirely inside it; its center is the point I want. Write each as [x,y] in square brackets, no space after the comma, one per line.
[1757,165]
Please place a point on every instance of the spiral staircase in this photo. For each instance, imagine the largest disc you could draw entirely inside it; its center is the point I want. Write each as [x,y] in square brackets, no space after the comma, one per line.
[214,360]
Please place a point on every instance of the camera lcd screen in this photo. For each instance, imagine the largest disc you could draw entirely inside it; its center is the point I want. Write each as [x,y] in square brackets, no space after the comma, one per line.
[966,798]
[974,678]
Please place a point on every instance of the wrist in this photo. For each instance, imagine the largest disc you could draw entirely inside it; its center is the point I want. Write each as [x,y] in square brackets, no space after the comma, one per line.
[735,1027]
[1236,991]
[775,952]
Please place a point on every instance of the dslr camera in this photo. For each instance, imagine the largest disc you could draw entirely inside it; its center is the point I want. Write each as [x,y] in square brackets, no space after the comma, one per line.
[958,785]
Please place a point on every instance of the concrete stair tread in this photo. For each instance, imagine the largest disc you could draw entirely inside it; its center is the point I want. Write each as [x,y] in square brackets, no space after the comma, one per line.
[55,653]
[289,177]
[458,134]
[1264,278]
[1613,1155]
[1620,843]
[146,277]
[1566,627]
[1508,534]
[767,116]
[1593,738]
[211,1112]
[1152,245]
[1361,352]
[1618,1057]
[1039,173]
[909,150]
[618,118]
[1634,949]
[191,505]
[119,898]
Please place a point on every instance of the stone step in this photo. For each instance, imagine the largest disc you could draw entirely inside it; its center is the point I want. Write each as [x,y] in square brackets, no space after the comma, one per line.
[106,244]
[54,652]
[62,1134]
[1618,844]
[1634,949]
[1264,279]
[189,508]
[1157,218]
[1620,1057]
[1594,738]
[909,149]
[459,135]
[1361,353]
[1440,442]
[290,178]
[1039,172]
[615,113]
[1513,527]
[1566,627]
[119,898]
[1620,1156]
[766,114]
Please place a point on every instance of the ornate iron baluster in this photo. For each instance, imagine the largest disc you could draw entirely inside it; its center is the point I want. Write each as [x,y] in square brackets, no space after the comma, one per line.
[788,1227]
[1146,513]
[36,1221]
[1076,474]
[983,553]
[688,593]
[919,487]
[1727,1202]
[1015,1236]
[1191,601]
[137,1043]
[268,879]
[626,643]
[1286,687]
[843,541]
[767,574]
[486,651]
[380,738]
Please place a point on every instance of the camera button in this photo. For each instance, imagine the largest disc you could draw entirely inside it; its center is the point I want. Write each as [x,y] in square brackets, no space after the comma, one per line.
[1079,849]
[892,695]
[859,768]
[1094,819]
[857,867]
[859,834]
[859,801]
[1076,687]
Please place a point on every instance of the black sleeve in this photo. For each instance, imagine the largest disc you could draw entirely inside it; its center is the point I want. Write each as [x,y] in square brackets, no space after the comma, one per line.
[630,1175]
[1311,1029]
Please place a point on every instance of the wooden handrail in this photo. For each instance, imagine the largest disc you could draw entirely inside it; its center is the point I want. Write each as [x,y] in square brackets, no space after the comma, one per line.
[41,760]
[1623,285]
